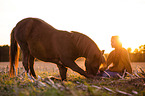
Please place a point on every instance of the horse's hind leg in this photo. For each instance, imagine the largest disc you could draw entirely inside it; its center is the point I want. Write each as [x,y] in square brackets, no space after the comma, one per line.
[31,64]
[25,53]
[62,71]
[26,65]
[25,61]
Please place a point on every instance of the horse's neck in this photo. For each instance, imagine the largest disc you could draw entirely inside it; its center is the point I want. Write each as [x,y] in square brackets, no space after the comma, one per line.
[82,44]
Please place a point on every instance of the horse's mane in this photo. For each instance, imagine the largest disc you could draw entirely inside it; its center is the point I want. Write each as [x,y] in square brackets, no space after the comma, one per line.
[84,45]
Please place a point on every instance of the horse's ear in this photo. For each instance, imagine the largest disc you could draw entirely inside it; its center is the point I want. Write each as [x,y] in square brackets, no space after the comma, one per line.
[102,52]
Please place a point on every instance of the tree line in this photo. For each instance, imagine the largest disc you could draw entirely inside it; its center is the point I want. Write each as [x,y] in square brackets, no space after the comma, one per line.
[138,55]
[4,53]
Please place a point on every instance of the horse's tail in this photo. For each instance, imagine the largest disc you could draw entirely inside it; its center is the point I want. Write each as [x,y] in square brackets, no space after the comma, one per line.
[13,55]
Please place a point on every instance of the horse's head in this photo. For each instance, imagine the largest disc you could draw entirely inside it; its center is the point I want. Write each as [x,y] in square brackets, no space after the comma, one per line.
[92,64]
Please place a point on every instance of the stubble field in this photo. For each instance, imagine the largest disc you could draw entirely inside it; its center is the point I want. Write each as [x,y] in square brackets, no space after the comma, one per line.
[76,85]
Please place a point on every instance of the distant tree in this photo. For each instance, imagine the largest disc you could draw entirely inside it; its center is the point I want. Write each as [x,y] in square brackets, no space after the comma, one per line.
[142,49]
[138,54]
[135,51]
[129,50]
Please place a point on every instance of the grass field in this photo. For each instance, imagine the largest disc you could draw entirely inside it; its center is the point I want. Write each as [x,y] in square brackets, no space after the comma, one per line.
[76,85]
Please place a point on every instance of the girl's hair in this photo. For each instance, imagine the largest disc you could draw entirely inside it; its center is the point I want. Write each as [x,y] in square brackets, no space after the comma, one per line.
[116,38]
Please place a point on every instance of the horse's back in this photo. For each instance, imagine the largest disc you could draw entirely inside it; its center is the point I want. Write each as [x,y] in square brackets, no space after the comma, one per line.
[43,40]
[34,29]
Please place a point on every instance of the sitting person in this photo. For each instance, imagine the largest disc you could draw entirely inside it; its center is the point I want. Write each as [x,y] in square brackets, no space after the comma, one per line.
[118,58]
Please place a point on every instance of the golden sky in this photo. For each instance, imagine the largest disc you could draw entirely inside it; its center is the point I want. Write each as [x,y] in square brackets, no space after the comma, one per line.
[99,19]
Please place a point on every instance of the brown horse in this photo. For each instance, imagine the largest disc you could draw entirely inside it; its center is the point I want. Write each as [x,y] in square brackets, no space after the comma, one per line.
[38,39]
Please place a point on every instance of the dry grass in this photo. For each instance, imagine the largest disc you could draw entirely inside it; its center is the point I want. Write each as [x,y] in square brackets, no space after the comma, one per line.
[76,85]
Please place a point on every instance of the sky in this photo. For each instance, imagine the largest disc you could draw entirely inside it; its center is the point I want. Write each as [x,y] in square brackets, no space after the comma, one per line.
[98,19]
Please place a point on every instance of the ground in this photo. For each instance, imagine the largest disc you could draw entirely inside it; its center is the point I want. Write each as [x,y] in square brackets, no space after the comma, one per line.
[76,85]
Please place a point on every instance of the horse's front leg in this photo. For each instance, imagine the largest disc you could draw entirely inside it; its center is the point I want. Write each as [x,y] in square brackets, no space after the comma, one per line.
[71,64]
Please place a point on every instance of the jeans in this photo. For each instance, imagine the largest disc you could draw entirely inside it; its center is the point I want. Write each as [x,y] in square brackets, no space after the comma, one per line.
[112,74]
